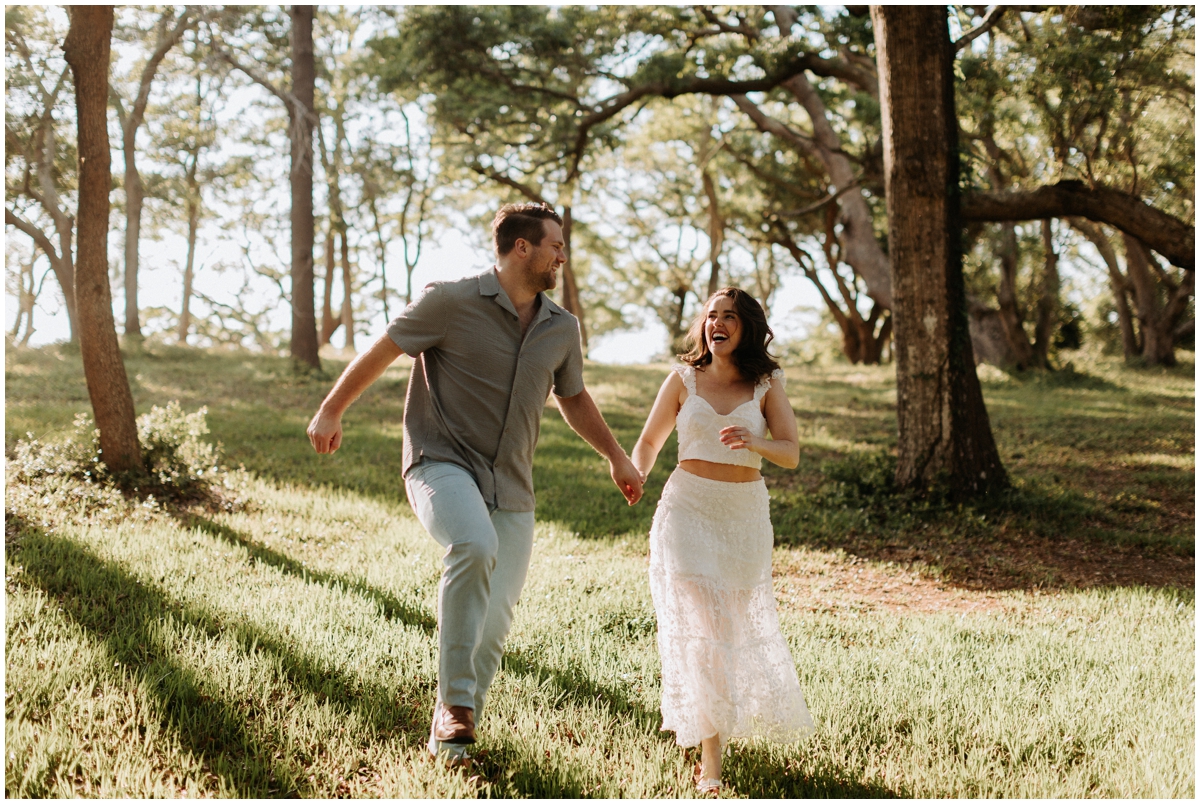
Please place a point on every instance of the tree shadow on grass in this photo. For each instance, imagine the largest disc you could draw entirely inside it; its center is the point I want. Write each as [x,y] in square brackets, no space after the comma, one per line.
[754,770]
[1036,536]
[122,613]
[391,607]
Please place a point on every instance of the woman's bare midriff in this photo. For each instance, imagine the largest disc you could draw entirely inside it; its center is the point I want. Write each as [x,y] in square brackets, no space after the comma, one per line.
[720,471]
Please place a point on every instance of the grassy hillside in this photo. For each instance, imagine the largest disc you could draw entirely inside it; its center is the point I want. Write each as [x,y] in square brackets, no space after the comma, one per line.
[1037,645]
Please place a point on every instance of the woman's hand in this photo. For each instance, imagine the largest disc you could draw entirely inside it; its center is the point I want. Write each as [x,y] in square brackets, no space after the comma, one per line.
[739,438]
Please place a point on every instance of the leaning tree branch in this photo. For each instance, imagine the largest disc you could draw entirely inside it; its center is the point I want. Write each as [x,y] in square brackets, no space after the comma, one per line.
[38,236]
[979,30]
[799,213]
[500,178]
[294,105]
[166,41]
[769,125]
[612,106]
[1162,232]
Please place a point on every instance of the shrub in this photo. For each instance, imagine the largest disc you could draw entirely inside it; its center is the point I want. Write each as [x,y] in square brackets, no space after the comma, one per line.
[172,450]
[77,456]
[177,463]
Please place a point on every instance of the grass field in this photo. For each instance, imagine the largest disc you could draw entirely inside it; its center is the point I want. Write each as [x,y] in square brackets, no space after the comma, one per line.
[1039,645]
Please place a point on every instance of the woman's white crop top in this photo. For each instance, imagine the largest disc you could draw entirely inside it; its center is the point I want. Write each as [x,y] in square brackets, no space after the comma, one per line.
[700,426]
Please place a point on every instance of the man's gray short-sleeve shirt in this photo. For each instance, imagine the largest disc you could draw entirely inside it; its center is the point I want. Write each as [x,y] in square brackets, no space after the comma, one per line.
[477,390]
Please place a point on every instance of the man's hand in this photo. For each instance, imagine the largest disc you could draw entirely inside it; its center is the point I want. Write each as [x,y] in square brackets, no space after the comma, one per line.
[582,415]
[325,429]
[627,478]
[325,433]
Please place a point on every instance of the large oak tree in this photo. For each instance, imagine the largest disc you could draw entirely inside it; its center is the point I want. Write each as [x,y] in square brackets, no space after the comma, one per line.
[944,434]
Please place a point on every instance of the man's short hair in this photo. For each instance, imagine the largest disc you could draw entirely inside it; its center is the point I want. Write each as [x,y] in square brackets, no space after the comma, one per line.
[521,221]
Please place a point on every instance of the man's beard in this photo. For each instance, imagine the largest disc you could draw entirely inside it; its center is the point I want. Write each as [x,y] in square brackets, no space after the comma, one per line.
[545,280]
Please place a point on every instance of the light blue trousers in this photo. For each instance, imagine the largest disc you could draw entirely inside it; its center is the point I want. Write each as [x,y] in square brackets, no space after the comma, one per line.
[484,567]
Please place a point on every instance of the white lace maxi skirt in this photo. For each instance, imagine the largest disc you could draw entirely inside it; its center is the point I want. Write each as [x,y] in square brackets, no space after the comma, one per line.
[725,666]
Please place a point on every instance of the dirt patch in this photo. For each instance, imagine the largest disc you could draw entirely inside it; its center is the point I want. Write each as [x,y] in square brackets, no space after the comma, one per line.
[965,578]
[1023,561]
[809,580]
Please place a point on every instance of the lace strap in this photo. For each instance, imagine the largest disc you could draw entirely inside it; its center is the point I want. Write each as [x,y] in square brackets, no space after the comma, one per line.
[764,384]
[688,375]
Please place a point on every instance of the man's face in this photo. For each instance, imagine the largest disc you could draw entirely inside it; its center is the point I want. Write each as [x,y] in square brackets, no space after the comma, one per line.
[541,268]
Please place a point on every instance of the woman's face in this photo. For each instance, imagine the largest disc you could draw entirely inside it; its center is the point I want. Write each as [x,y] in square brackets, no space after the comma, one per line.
[722,327]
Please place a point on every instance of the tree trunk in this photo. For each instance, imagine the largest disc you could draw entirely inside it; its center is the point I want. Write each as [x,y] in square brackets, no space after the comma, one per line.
[26,296]
[383,284]
[87,49]
[860,248]
[1047,306]
[1020,350]
[716,221]
[1157,322]
[1145,294]
[677,327]
[189,270]
[134,190]
[347,287]
[860,342]
[61,259]
[716,234]
[1118,284]
[570,291]
[329,324]
[944,433]
[134,195]
[304,318]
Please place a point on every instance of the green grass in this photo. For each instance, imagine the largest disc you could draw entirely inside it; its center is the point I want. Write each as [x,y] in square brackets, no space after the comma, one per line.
[287,648]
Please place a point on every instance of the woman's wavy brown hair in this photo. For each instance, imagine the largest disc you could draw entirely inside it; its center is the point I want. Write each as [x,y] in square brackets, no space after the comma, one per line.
[751,356]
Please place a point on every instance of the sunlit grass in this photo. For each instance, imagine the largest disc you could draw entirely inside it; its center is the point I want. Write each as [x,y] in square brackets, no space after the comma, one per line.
[288,649]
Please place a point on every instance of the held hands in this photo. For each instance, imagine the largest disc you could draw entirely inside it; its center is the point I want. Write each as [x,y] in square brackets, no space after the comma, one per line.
[627,478]
[325,433]
[738,438]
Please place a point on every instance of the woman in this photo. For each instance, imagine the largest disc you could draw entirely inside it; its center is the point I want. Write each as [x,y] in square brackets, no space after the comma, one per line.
[726,671]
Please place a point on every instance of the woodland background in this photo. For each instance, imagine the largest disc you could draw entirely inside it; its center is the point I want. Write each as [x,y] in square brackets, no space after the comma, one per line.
[984,571]
[640,125]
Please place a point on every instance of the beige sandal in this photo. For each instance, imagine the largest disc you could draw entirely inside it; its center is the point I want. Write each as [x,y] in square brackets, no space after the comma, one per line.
[704,785]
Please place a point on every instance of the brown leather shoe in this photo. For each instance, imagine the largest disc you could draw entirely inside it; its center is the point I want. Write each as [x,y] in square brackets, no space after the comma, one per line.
[454,724]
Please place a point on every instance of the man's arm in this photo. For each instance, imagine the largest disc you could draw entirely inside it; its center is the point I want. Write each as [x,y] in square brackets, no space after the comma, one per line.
[581,413]
[325,429]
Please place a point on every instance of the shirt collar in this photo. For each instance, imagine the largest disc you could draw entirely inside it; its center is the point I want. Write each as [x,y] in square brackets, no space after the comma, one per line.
[489,285]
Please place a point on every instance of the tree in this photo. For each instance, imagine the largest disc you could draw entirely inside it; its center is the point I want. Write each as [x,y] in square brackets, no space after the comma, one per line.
[183,144]
[858,244]
[27,290]
[1119,284]
[39,166]
[528,95]
[169,30]
[1095,105]
[943,423]
[301,117]
[87,50]
[302,121]
[404,174]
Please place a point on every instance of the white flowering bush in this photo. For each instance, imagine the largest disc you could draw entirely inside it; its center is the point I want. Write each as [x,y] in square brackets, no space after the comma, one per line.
[177,463]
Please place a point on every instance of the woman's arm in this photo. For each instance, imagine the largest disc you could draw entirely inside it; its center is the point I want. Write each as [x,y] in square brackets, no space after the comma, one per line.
[659,425]
[783,447]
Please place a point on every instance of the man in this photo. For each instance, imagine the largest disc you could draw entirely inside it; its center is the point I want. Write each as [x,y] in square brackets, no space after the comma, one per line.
[489,350]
